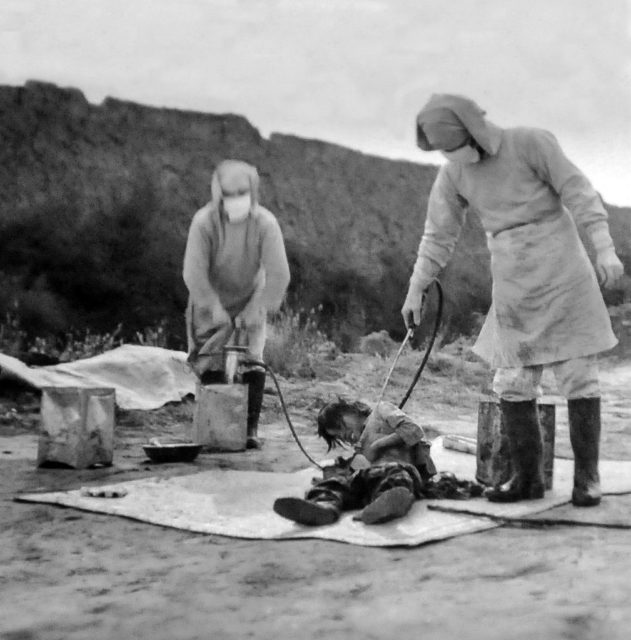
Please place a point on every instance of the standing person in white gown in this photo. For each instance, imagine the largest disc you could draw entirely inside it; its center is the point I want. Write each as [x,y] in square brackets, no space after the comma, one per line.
[547,308]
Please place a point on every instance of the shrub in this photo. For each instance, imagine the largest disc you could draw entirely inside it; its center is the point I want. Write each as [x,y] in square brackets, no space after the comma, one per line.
[90,344]
[73,345]
[154,336]
[293,343]
[118,263]
[12,337]
[348,306]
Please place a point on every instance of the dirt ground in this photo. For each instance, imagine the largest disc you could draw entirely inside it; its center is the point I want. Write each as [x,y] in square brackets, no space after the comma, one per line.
[73,575]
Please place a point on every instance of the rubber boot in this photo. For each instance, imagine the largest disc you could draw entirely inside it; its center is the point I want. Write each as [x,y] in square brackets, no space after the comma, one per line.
[584,419]
[521,420]
[307,512]
[391,504]
[256,386]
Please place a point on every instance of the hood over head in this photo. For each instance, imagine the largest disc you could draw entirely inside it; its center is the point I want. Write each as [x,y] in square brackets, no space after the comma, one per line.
[232,176]
[446,121]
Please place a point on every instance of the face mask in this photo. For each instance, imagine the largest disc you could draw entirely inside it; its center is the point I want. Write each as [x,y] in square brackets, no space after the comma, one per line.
[237,208]
[464,155]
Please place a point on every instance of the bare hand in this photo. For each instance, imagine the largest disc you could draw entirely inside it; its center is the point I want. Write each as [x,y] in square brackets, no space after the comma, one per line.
[609,268]
[372,451]
[411,310]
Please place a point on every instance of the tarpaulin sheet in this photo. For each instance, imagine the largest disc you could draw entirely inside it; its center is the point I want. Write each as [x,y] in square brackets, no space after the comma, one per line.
[143,377]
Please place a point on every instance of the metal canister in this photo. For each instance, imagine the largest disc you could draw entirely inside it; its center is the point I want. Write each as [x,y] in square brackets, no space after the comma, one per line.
[233,356]
[493,452]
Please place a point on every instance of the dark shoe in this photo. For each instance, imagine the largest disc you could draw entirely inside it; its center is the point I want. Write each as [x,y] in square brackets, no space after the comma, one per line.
[391,504]
[312,514]
[584,419]
[253,442]
[521,421]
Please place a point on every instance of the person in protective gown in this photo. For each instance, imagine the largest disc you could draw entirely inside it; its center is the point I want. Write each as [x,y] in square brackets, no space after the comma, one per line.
[547,308]
[236,271]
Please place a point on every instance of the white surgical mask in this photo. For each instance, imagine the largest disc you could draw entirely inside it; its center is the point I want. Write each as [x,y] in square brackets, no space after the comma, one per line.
[464,155]
[237,208]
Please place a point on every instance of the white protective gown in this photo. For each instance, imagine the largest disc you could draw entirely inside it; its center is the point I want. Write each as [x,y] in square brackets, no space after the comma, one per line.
[230,263]
[546,302]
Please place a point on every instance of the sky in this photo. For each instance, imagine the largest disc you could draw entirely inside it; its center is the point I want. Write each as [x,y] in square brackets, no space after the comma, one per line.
[352,72]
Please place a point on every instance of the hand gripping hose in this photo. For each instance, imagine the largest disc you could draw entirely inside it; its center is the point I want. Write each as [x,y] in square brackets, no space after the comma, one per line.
[428,350]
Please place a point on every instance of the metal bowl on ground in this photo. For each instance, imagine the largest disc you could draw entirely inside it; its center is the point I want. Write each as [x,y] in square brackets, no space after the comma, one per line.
[172,452]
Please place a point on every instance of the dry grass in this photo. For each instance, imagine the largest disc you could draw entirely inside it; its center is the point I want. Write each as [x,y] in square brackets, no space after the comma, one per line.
[294,344]
[14,341]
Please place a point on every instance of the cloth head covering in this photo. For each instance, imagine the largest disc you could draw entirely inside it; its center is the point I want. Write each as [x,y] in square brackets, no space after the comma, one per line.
[436,129]
[443,129]
[233,175]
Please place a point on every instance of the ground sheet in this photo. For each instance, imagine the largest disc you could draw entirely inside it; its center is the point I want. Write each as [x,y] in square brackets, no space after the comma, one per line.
[239,504]
[143,377]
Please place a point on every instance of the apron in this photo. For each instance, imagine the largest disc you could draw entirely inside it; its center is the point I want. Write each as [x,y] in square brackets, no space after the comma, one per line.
[546,303]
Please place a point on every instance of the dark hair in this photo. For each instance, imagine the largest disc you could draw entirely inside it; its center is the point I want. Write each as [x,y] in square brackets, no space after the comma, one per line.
[330,417]
[481,150]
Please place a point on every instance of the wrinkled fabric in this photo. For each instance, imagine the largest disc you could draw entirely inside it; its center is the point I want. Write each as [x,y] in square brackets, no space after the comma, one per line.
[577,378]
[144,378]
[546,302]
[226,262]
[207,338]
[365,486]
[446,486]
[408,465]
[386,419]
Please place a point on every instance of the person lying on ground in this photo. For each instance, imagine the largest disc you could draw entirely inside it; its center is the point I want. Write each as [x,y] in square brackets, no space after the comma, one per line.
[396,461]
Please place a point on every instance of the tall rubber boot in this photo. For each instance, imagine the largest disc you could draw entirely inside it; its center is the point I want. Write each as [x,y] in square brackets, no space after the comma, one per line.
[256,386]
[584,418]
[521,420]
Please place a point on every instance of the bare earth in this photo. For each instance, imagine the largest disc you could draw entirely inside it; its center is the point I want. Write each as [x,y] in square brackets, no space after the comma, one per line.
[70,575]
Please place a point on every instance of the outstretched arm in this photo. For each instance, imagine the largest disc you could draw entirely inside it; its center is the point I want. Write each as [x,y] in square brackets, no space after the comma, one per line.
[445,217]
